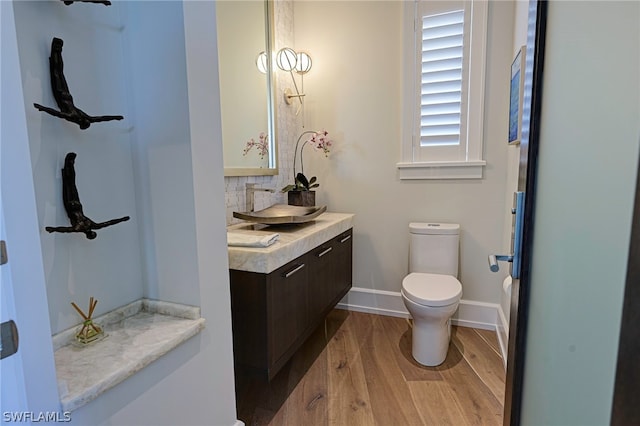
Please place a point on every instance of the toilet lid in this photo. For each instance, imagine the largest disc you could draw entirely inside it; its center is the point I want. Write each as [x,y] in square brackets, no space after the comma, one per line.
[432,289]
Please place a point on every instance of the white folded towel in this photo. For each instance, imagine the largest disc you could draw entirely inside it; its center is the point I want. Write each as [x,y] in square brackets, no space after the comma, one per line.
[247,240]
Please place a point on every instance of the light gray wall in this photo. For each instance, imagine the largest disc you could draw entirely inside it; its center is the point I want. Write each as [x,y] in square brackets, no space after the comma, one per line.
[585,193]
[156,82]
[354,91]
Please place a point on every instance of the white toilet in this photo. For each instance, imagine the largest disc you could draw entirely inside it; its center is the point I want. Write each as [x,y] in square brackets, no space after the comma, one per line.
[431,292]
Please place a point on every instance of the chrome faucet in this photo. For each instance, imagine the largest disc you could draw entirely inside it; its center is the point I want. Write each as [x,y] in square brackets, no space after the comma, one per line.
[249,195]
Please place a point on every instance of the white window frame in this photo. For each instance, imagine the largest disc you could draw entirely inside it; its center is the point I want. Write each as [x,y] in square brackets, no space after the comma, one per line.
[466,163]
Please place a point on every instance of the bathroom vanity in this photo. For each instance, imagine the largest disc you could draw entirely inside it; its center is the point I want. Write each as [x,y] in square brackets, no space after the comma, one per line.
[281,293]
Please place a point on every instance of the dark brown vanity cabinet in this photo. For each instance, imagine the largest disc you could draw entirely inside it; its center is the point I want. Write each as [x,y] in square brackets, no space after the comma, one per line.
[273,314]
[330,273]
[287,299]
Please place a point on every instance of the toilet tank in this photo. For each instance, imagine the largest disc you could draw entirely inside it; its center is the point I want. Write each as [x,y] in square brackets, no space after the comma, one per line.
[433,248]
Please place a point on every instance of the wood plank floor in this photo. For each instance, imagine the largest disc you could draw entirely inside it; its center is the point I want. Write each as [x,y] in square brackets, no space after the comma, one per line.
[357,369]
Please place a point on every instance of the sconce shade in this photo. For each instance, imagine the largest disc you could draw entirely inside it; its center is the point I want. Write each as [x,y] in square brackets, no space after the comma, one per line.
[286,59]
[303,65]
[261,62]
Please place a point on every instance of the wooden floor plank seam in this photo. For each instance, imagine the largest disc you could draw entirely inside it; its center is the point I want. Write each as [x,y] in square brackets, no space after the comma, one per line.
[495,349]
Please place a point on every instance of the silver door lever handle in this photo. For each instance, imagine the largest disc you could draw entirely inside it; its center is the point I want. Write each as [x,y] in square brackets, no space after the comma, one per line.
[494,258]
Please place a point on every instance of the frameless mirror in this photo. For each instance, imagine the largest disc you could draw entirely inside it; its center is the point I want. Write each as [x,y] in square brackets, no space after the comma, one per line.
[245,34]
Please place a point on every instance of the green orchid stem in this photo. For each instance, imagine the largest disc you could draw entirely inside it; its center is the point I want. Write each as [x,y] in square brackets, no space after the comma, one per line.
[295,153]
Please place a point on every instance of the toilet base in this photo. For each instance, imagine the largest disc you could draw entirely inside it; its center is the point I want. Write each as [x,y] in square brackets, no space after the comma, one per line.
[430,345]
[431,332]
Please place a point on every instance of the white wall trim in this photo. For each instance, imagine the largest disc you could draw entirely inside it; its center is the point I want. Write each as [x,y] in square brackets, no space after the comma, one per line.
[470,313]
[476,315]
[503,334]
[372,301]
[441,170]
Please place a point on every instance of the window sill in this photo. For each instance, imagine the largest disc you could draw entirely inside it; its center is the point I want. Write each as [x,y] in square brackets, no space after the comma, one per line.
[441,170]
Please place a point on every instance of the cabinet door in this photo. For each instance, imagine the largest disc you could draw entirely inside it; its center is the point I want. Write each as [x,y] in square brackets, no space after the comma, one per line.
[322,271]
[287,314]
[343,267]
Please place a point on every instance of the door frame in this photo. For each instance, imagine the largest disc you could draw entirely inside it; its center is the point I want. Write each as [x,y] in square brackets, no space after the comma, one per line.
[12,392]
[28,292]
[526,182]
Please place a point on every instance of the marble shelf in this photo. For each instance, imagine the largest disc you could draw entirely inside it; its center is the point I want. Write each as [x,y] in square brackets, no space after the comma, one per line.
[137,334]
[294,240]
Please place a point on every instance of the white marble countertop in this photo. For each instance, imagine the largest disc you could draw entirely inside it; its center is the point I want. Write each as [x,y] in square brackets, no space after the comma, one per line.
[294,241]
[137,334]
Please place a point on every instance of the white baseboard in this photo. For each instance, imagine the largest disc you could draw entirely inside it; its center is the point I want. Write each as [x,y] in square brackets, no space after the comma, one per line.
[379,302]
[470,313]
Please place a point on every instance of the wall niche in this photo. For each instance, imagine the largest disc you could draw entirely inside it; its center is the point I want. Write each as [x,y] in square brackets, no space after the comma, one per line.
[128,58]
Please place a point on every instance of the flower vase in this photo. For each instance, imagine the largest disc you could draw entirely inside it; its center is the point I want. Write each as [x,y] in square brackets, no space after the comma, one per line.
[302,198]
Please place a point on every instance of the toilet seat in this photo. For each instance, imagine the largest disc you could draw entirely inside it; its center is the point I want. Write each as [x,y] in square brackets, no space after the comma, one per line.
[432,289]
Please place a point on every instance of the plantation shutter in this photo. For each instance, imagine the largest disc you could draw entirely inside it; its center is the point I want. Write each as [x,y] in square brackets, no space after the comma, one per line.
[441,108]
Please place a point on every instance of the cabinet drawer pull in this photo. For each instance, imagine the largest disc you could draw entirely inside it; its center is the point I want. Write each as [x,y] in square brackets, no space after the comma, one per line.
[345,239]
[294,270]
[325,251]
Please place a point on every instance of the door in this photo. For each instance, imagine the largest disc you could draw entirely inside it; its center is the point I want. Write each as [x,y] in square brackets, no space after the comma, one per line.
[526,184]
[587,170]
[569,296]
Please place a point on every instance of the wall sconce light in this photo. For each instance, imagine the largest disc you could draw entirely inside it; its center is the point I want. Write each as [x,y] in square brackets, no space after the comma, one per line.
[261,62]
[286,59]
[289,60]
[303,64]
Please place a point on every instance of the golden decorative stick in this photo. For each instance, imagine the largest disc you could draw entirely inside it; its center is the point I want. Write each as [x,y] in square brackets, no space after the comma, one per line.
[79,311]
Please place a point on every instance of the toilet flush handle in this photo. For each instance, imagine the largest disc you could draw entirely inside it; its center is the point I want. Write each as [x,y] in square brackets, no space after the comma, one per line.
[494,258]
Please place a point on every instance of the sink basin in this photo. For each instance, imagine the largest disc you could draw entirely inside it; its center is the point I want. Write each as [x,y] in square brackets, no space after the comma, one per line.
[282,214]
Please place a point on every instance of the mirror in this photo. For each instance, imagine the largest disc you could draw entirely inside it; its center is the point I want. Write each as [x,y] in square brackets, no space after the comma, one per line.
[245,29]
